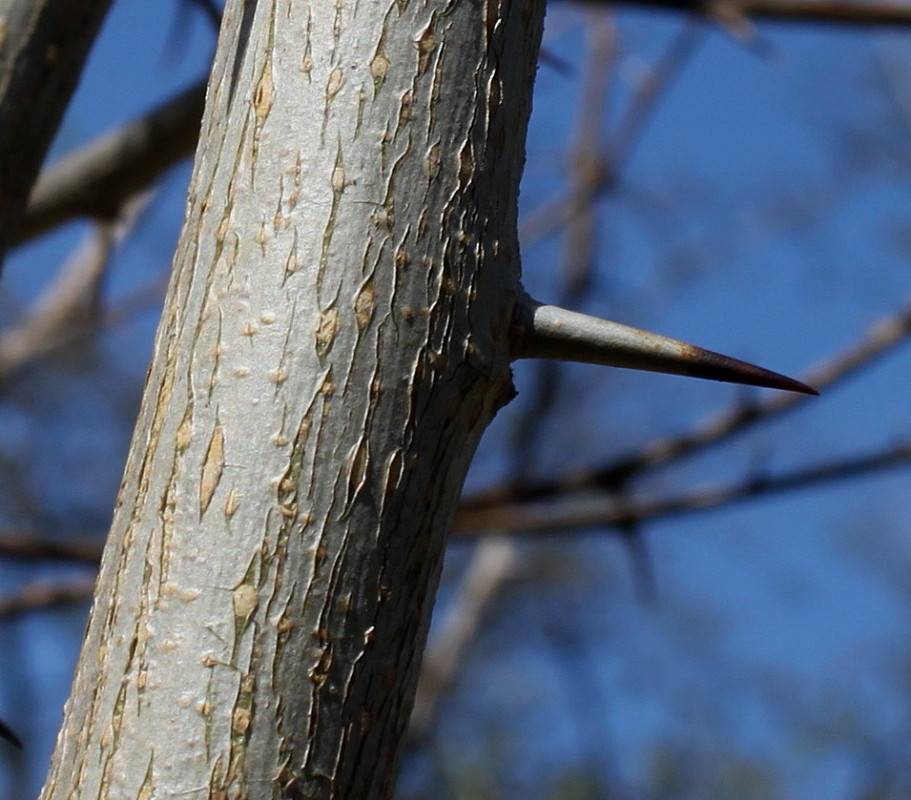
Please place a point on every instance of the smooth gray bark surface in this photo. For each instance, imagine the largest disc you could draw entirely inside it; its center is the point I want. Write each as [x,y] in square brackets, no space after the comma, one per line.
[334,341]
[43,47]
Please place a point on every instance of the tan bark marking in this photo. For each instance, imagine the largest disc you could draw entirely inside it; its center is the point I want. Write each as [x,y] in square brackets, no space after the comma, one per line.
[405,104]
[426,45]
[232,503]
[358,461]
[364,304]
[338,179]
[432,161]
[326,331]
[263,94]
[212,469]
[291,263]
[306,65]
[378,69]
[245,600]
[184,434]
[334,84]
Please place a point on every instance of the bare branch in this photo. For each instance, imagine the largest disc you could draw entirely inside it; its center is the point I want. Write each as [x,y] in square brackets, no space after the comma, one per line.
[609,511]
[6,732]
[45,44]
[606,165]
[585,160]
[842,12]
[65,306]
[31,546]
[600,512]
[98,178]
[43,594]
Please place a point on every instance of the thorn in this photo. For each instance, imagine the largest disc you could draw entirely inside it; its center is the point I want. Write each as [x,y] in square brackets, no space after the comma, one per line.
[641,562]
[555,62]
[6,732]
[733,21]
[553,332]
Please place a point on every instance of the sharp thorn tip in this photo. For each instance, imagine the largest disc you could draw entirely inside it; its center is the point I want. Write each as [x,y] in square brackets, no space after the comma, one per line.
[553,332]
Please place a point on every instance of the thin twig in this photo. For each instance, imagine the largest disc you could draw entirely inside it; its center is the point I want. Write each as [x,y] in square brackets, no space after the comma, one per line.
[66,307]
[44,594]
[615,155]
[608,511]
[605,511]
[842,12]
[29,546]
[492,564]
[95,180]
[651,88]
[585,159]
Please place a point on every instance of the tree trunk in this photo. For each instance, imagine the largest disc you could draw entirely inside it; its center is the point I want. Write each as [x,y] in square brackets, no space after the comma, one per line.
[335,339]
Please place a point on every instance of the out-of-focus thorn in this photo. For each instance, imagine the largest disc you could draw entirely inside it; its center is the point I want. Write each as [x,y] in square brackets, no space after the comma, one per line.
[6,732]
[551,332]
[552,60]
[731,19]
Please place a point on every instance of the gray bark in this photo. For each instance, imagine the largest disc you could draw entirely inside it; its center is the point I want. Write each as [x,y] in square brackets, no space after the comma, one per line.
[334,341]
